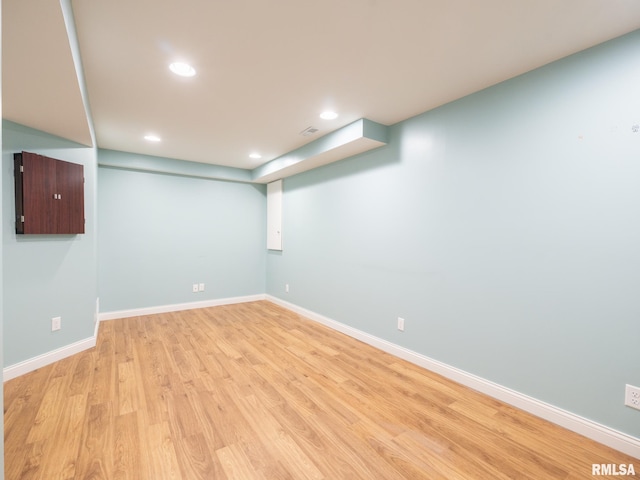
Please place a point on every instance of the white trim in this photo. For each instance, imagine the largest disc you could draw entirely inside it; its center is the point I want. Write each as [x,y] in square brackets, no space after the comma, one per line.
[31,364]
[17,369]
[96,319]
[176,307]
[590,429]
[96,324]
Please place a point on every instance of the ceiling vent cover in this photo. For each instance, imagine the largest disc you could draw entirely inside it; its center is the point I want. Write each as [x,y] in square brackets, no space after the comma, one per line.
[308,131]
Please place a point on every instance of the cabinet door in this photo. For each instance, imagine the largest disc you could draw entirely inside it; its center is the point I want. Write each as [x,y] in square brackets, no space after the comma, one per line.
[274,215]
[38,189]
[69,205]
[49,195]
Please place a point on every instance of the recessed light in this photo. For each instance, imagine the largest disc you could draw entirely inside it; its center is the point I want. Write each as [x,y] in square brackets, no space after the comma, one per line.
[152,138]
[182,69]
[328,115]
[255,155]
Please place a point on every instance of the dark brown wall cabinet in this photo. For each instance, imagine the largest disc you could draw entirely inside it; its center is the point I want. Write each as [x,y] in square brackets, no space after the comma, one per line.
[49,195]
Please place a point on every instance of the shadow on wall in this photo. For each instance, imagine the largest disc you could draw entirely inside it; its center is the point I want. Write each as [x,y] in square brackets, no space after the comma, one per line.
[16,137]
[380,157]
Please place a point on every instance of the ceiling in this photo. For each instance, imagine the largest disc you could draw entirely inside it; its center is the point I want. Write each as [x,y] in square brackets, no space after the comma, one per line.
[267,69]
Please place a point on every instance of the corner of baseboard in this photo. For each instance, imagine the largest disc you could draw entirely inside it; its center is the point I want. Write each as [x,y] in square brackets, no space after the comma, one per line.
[31,364]
[177,307]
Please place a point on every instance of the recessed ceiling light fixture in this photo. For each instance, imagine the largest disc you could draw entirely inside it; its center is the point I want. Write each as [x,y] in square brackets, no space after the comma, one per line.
[182,69]
[328,115]
[152,138]
[255,155]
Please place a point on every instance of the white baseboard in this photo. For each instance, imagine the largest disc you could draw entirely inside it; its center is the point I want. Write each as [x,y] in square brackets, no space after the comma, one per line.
[588,428]
[176,307]
[17,369]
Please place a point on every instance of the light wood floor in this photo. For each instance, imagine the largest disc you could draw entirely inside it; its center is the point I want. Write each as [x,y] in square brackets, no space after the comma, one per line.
[252,391]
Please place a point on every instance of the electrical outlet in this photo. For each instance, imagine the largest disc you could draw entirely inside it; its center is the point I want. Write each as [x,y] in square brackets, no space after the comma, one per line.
[56,323]
[195,288]
[286,288]
[201,287]
[401,324]
[632,397]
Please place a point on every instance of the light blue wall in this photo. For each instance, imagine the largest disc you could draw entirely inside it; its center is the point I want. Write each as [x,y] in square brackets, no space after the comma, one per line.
[46,276]
[161,233]
[152,164]
[505,229]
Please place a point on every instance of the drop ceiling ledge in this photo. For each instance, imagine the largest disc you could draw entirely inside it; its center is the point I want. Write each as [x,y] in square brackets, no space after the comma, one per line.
[352,139]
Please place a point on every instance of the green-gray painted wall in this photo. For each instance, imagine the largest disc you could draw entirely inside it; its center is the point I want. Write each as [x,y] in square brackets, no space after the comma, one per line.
[504,228]
[159,234]
[46,276]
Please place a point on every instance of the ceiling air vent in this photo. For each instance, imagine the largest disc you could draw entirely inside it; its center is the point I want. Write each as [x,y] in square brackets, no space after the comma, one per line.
[308,131]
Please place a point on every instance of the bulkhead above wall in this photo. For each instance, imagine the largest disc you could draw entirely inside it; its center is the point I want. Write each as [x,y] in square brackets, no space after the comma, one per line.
[355,138]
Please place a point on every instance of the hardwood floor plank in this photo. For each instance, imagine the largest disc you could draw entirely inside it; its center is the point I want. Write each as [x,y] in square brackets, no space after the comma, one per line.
[350,447]
[154,379]
[293,395]
[437,458]
[195,459]
[22,405]
[253,391]
[30,469]
[47,417]
[182,419]
[312,442]
[163,462]
[236,464]
[59,459]
[221,421]
[278,442]
[127,388]
[103,382]
[127,454]
[95,457]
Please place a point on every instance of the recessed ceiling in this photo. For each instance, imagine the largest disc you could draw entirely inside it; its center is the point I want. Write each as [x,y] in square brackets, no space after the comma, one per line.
[40,87]
[267,70]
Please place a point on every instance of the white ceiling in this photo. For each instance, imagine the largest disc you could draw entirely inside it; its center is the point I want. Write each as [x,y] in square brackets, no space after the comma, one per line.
[266,69]
[40,87]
